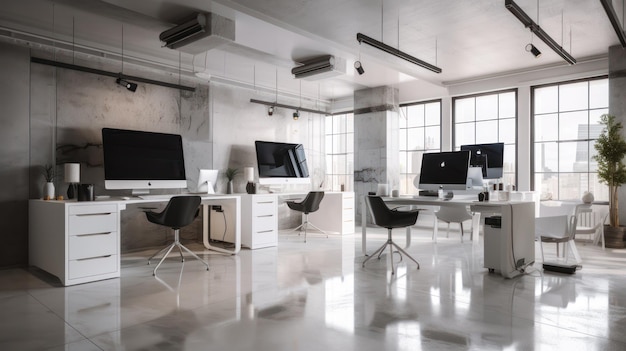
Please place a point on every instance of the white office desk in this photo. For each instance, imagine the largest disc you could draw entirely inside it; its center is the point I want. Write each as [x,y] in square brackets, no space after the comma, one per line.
[517,233]
[79,242]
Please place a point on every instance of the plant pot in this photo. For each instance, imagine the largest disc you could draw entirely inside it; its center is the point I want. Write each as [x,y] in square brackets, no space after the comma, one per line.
[48,191]
[614,236]
[229,187]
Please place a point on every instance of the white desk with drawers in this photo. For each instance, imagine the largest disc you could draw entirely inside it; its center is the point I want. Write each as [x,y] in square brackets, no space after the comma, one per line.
[506,252]
[79,242]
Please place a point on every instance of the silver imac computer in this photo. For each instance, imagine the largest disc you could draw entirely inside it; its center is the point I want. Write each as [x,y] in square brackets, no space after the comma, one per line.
[446,170]
[207,178]
[475,179]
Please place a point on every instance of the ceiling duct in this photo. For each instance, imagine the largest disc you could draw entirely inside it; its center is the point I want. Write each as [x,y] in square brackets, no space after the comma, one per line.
[320,67]
[199,33]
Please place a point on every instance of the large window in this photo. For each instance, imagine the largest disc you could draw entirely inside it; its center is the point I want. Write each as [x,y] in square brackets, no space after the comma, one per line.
[488,118]
[565,127]
[340,151]
[420,132]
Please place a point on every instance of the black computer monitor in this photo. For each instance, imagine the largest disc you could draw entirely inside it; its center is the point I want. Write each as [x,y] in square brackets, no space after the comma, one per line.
[489,157]
[444,169]
[280,163]
[141,160]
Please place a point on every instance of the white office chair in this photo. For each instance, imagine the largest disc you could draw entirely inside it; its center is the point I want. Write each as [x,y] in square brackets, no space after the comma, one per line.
[590,222]
[452,214]
[559,229]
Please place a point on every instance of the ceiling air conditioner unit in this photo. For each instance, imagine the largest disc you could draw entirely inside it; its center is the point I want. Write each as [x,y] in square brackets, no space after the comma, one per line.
[199,33]
[320,67]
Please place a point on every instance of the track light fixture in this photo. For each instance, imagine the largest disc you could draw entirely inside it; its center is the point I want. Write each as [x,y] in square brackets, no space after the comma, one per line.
[126,84]
[610,11]
[270,110]
[362,38]
[290,107]
[296,115]
[533,49]
[535,29]
[359,67]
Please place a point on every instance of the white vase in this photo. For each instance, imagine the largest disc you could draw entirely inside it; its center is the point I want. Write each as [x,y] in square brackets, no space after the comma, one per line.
[48,190]
[587,197]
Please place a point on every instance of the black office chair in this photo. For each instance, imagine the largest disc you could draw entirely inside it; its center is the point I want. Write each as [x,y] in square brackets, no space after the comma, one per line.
[179,212]
[388,218]
[311,203]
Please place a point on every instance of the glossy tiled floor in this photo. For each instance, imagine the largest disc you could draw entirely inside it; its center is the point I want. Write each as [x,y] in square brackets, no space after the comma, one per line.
[316,296]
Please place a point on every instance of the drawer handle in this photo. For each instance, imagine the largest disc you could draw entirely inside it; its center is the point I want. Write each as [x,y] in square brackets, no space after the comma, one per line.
[265,231]
[93,258]
[92,234]
[265,202]
[94,214]
[266,216]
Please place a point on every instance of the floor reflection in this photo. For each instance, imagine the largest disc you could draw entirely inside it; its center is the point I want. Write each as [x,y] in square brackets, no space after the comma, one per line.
[316,295]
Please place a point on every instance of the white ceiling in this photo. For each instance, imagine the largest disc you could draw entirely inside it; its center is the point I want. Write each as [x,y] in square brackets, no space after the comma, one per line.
[466,39]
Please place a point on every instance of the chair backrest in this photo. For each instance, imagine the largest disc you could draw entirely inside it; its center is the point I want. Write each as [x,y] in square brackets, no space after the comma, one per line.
[383,216]
[562,226]
[379,212]
[311,202]
[179,212]
[453,214]
[590,217]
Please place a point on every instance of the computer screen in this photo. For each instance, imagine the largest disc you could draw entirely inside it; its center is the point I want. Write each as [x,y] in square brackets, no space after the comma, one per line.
[445,169]
[489,157]
[280,162]
[142,160]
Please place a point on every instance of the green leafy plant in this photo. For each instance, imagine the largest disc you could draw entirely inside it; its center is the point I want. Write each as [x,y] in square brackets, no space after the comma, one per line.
[48,172]
[231,173]
[611,148]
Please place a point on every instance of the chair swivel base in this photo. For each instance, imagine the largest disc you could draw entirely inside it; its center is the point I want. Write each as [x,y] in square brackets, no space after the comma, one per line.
[305,226]
[391,245]
[169,248]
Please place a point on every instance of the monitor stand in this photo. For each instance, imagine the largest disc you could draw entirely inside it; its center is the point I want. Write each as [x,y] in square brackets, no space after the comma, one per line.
[137,192]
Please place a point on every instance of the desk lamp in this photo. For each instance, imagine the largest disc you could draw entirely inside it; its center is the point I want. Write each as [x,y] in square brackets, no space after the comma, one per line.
[72,176]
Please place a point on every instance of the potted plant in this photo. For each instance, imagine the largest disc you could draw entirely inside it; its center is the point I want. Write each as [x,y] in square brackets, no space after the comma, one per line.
[230,175]
[48,172]
[611,148]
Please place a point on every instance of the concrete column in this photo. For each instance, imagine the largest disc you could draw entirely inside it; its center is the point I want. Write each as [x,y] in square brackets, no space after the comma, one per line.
[376,159]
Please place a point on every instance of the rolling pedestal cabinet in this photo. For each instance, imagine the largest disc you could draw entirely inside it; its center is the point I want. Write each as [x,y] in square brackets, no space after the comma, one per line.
[78,242]
[259,220]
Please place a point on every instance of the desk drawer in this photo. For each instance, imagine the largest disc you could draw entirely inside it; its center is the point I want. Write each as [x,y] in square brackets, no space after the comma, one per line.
[263,223]
[265,238]
[264,207]
[93,266]
[92,245]
[90,223]
[89,208]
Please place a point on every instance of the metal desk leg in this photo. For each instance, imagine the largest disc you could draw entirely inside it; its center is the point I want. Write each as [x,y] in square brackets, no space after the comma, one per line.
[205,228]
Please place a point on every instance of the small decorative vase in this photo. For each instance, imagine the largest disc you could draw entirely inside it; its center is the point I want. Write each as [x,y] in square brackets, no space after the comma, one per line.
[229,187]
[251,188]
[587,197]
[48,191]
